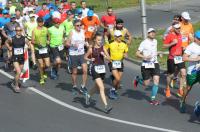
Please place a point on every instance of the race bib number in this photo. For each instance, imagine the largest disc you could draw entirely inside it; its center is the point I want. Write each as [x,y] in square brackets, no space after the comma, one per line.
[100,69]
[149,65]
[43,51]
[61,47]
[184,39]
[117,64]
[18,51]
[178,59]
[91,28]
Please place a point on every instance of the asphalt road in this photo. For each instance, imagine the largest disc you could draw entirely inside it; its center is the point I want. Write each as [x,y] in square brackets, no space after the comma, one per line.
[32,111]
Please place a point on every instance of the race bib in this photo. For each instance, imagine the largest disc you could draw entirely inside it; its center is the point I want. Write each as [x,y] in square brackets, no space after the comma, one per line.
[184,39]
[18,51]
[100,69]
[149,65]
[91,28]
[61,47]
[110,26]
[43,51]
[178,59]
[117,64]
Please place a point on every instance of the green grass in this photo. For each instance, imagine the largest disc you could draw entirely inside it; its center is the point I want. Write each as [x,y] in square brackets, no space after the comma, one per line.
[135,44]
[101,5]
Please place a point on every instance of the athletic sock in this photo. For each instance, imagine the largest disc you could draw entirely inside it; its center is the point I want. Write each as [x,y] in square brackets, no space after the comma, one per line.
[154,91]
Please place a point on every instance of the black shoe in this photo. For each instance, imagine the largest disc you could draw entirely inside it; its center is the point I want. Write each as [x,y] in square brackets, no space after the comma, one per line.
[75,91]
[83,90]
[34,67]
[108,109]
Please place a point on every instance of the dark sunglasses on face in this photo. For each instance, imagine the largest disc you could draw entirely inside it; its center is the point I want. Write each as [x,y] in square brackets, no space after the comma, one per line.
[78,25]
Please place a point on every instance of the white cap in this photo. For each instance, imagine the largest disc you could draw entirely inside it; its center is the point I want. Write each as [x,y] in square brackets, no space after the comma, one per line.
[117,33]
[186,15]
[151,30]
[177,25]
[32,15]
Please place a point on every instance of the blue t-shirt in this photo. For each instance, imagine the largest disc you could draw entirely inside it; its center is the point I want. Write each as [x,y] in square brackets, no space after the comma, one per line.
[4,21]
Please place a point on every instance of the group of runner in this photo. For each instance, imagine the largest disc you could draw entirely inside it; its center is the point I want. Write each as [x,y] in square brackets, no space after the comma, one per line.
[56,32]
[183,63]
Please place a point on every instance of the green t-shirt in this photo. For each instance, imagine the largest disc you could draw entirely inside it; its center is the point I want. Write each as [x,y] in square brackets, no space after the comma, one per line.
[68,26]
[30,26]
[56,35]
[40,37]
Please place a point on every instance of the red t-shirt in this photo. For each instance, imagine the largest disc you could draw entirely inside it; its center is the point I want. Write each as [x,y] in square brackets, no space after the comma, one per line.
[108,20]
[63,17]
[66,7]
[42,13]
[175,50]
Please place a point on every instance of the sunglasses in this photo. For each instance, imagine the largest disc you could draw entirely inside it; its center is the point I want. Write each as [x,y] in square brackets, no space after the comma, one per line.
[78,25]
[18,30]
[177,28]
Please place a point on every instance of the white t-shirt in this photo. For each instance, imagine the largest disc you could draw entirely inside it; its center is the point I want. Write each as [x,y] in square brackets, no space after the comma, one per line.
[193,50]
[149,47]
[85,11]
[78,38]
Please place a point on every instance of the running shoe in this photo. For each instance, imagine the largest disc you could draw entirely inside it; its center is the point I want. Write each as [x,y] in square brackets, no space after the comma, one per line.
[136,81]
[53,74]
[179,92]
[45,76]
[42,82]
[87,99]
[83,90]
[182,107]
[75,91]
[16,89]
[197,108]
[112,94]
[167,92]
[154,102]
[107,109]
[34,66]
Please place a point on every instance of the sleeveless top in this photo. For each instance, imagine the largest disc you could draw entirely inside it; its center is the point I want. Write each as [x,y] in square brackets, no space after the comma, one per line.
[18,45]
[78,38]
[96,53]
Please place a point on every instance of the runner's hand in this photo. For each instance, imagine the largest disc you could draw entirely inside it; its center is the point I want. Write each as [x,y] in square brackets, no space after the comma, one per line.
[147,57]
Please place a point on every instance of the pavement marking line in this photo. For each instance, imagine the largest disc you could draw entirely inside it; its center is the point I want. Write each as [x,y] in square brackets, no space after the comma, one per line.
[87,112]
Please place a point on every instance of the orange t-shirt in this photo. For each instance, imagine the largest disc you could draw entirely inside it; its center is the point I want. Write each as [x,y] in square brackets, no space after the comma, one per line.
[90,26]
[186,31]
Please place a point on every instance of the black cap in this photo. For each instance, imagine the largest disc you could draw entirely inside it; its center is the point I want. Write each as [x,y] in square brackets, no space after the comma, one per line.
[119,20]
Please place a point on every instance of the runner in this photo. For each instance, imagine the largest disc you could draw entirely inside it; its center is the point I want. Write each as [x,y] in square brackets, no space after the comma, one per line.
[176,18]
[118,50]
[9,32]
[44,11]
[98,53]
[150,66]
[126,36]
[108,20]
[191,55]
[39,40]
[29,26]
[90,23]
[173,41]
[186,30]
[76,43]
[56,38]
[68,23]
[84,8]
[17,45]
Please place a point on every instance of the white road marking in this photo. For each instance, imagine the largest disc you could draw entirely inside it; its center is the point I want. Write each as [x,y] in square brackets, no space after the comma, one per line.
[90,113]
